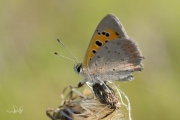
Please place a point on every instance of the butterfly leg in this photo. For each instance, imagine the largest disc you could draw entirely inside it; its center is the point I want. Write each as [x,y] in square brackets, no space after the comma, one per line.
[81,83]
[49,111]
[88,83]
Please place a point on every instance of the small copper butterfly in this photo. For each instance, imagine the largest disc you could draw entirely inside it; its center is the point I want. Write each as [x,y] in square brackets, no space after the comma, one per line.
[111,54]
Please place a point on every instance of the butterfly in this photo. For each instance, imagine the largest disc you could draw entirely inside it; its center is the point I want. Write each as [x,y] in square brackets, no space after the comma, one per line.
[111,54]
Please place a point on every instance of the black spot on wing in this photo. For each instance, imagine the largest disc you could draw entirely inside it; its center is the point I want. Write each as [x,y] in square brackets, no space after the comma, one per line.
[93,51]
[107,34]
[106,41]
[103,33]
[98,43]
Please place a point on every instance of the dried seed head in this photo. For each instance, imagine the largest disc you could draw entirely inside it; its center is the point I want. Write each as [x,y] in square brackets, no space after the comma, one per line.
[104,106]
[106,95]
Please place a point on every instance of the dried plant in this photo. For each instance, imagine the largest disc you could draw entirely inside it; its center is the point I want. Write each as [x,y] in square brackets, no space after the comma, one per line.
[105,104]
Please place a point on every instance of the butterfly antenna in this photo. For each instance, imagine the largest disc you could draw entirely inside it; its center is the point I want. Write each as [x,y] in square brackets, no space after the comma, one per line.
[68,50]
[64,57]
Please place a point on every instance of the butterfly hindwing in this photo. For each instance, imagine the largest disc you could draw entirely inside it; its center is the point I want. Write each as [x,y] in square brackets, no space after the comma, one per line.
[116,60]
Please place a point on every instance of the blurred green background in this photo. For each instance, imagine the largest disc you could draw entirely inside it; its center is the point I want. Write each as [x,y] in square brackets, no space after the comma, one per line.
[33,77]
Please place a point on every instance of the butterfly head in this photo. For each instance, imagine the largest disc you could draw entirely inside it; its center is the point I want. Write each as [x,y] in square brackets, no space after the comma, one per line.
[78,68]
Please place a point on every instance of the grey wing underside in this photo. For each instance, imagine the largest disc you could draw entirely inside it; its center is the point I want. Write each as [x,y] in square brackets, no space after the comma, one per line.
[116,60]
[111,21]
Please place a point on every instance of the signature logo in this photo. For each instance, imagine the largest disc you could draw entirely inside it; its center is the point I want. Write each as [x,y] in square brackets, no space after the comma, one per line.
[16,110]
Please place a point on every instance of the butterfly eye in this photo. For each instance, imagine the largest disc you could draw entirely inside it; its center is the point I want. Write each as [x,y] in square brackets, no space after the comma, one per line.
[78,68]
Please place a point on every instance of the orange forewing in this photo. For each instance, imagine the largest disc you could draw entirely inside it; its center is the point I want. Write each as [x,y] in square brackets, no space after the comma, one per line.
[92,45]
